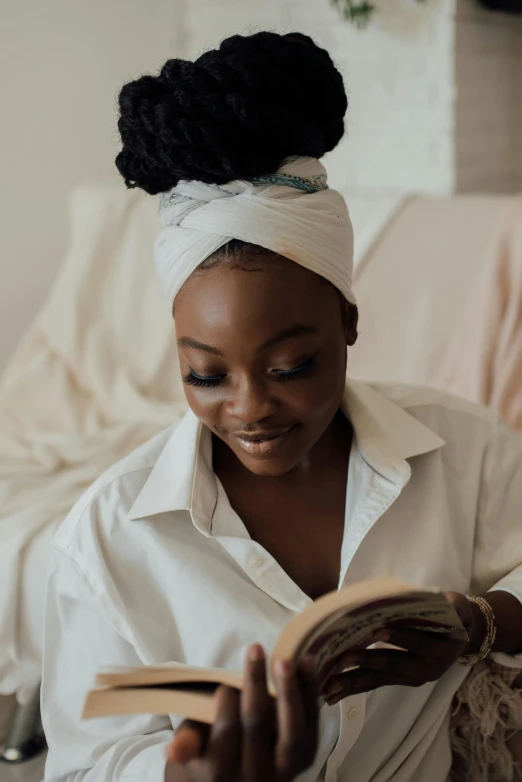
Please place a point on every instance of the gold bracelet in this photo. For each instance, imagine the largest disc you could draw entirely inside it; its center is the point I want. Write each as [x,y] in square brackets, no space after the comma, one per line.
[491,633]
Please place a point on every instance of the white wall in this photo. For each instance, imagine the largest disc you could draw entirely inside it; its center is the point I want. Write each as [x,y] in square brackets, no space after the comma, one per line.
[62,64]
[488,113]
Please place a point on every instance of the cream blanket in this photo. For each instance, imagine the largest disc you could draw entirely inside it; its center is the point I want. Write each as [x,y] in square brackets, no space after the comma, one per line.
[95,377]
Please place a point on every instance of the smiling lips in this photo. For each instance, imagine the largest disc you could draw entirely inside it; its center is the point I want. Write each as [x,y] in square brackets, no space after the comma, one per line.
[264,443]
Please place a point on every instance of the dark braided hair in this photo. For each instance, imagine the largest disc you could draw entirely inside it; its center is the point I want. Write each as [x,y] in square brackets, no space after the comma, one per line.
[236,112]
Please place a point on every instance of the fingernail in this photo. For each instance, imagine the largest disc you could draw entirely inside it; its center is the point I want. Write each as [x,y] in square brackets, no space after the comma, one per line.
[348,659]
[332,691]
[284,668]
[334,699]
[256,653]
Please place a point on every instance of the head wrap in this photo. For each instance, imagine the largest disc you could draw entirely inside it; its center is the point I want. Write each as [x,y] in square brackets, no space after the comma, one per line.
[292,212]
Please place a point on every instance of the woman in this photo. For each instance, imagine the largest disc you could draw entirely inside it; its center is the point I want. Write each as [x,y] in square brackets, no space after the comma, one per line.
[283,482]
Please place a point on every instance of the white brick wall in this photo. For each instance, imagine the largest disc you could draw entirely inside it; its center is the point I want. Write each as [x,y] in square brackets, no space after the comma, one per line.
[488,115]
[403,74]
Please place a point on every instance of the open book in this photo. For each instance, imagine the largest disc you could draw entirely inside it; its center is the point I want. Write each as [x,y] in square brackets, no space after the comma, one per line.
[353,617]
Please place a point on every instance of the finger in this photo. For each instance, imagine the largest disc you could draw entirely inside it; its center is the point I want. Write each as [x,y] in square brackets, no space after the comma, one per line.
[310,698]
[257,719]
[224,744]
[360,681]
[424,644]
[394,663]
[200,770]
[290,752]
[188,742]
[197,770]
[174,772]
[348,683]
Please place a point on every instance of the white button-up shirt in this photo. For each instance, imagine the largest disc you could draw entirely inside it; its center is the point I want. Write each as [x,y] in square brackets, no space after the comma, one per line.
[154,565]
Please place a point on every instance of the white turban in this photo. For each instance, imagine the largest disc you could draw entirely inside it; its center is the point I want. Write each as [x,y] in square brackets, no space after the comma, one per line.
[293,213]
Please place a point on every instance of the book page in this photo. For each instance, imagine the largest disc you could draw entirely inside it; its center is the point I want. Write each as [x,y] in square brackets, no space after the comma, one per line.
[165,675]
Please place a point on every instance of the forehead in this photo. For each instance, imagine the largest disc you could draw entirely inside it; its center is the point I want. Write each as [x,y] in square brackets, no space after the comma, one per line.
[253,304]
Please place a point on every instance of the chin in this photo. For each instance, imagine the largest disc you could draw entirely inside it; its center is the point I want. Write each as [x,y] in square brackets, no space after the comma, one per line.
[270,458]
[270,467]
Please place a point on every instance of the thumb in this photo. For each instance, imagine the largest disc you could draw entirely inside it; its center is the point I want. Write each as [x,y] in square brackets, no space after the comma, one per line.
[189,742]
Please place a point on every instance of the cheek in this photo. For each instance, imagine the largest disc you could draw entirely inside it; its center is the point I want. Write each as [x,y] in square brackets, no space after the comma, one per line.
[318,398]
[204,404]
[322,391]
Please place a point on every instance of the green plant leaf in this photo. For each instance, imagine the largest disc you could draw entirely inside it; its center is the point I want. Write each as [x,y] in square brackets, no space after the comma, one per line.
[359,12]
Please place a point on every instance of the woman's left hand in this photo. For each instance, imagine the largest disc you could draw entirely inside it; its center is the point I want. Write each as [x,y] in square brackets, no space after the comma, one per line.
[426,656]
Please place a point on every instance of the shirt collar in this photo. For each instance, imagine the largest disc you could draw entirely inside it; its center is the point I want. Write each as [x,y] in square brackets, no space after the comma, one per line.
[183,479]
[386,434]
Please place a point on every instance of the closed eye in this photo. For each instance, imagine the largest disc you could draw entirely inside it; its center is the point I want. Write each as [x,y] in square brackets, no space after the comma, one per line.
[282,375]
[202,381]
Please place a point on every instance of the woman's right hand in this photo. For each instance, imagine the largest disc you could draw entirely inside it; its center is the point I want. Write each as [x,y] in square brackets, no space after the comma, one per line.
[254,738]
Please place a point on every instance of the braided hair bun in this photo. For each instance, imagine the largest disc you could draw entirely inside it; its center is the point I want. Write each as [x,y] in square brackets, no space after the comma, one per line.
[234,113]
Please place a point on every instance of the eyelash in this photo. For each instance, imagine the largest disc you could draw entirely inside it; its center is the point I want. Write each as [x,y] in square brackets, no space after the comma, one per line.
[193,379]
[202,382]
[297,372]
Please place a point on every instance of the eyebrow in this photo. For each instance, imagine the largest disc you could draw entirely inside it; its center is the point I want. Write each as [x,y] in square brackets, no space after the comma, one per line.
[188,342]
[297,330]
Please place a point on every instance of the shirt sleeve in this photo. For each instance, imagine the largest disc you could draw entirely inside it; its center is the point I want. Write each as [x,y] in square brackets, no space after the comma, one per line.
[498,544]
[80,638]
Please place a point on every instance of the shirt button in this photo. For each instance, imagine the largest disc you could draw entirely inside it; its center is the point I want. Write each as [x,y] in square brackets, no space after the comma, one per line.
[255,561]
[353,713]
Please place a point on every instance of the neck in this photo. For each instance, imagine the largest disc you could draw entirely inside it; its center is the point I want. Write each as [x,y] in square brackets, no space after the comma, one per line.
[333,446]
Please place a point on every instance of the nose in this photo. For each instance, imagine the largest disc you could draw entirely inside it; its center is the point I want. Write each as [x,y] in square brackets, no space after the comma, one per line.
[251,402]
